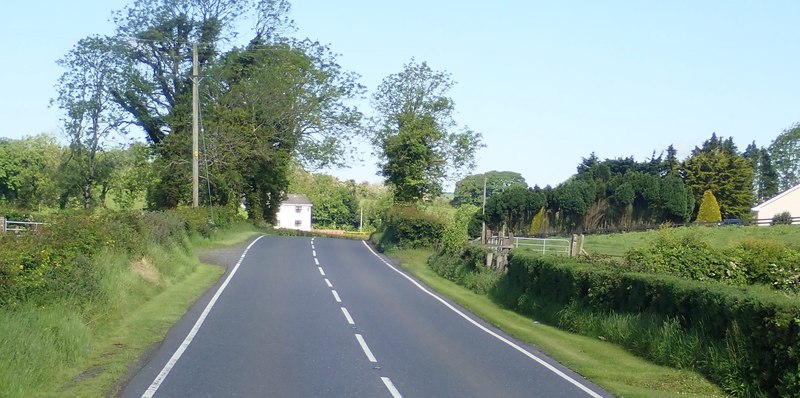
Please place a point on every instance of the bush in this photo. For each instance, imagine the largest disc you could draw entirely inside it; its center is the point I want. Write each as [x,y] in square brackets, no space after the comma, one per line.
[784,218]
[408,227]
[709,209]
[745,339]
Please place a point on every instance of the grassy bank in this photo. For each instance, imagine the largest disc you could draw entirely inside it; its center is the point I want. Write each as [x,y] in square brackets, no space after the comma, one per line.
[82,346]
[608,365]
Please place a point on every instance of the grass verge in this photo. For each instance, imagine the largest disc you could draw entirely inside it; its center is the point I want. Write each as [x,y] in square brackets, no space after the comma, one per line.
[608,365]
[84,350]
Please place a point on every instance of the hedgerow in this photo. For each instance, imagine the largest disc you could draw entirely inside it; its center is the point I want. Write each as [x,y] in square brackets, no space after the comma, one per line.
[408,227]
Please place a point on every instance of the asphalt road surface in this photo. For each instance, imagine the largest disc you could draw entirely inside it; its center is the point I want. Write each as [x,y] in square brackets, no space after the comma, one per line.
[303,317]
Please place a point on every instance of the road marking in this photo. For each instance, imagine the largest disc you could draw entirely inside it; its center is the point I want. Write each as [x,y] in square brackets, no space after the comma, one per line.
[327,282]
[151,390]
[314,253]
[336,296]
[365,348]
[391,387]
[347,315]
[316,261]
[490,332]
[321,271]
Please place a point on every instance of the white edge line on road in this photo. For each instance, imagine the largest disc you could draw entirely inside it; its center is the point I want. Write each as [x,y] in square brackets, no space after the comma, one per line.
[347,315]
[365,348]
[189,337]
[321,271]
[327,282]
[316,261]
[392,389]
[336,296]
[490,332]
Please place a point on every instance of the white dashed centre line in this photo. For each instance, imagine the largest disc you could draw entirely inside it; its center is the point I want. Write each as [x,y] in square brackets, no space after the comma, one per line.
[347,315]
[316,261]
[391,387]
[336,296]
[314,253]
[321,271]
[366,348]
[327,282]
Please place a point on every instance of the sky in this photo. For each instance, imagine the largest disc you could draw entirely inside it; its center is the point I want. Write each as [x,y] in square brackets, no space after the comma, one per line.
[546,83]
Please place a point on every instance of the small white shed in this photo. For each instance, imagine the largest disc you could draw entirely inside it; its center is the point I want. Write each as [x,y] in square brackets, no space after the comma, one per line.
[295,213]
[788,200]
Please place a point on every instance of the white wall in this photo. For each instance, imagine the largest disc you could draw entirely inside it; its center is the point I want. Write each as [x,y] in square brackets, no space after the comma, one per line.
[288,216]
[790,201]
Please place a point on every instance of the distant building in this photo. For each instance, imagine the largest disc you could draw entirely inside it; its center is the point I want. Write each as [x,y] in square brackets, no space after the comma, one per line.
[788,200]
[295,213]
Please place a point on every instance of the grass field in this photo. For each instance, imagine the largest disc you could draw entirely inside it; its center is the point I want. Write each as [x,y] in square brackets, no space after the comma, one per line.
[618,244]
[608,365]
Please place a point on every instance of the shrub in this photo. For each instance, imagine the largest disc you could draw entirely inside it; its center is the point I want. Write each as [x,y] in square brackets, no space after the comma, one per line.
[784,218]
[408,227]
[709,209]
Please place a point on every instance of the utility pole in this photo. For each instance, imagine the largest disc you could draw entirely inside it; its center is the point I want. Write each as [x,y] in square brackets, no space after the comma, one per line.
[483,213]
[361,221]
[195,129]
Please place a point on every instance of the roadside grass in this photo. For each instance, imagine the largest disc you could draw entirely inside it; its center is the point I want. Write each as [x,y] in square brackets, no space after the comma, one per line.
[618,244]
[605,364]
[85,351]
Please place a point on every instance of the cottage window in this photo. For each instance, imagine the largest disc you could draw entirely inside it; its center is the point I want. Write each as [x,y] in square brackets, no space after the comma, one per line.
[298,223]
[298,209]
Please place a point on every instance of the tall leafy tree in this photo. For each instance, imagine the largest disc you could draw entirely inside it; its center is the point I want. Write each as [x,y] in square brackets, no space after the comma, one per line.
[29,171]
[414,134]
[470,188]
[92,117]
[784,152]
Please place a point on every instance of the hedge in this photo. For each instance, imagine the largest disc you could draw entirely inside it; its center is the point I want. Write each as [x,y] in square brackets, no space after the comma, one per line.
[759,330]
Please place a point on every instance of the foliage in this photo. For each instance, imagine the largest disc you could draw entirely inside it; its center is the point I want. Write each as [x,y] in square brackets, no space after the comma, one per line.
[514,208]
[765,178]
[784,218]
[456,234]
[408,227]
[467,268]
[470,188]
[414,135]
[785,154]
[728,329]
[709,209]
[29,171]
[718,166]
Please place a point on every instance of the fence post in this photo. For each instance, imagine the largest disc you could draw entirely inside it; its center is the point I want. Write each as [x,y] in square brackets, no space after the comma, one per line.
[583,239]
[2,225]
[572,244]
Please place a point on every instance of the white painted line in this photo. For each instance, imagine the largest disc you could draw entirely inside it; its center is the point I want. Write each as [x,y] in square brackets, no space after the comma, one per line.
[321,271]
[336,296]
[189,337]
[314,253]
[327,282]
[347,315]
[312,246]
[491,333]
[391,387]
[365,348]
[316,261]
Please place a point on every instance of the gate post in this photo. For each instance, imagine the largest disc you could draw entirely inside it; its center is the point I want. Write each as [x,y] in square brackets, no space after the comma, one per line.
[2,225]
[572,243]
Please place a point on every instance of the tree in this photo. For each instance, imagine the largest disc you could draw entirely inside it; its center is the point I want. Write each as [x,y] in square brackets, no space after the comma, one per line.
[709,208]
[719,167]
[784,152]
[469,190]
[29,171]
[415,136]
[92,116]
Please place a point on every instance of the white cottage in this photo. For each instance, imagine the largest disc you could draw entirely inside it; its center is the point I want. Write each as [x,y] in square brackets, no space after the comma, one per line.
[295,213]
[788,200]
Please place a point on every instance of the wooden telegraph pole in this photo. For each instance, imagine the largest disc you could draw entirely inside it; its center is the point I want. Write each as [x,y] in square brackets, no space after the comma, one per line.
[195,129]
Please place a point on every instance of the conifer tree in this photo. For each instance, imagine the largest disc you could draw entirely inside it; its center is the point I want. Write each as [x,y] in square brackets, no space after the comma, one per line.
[709,209]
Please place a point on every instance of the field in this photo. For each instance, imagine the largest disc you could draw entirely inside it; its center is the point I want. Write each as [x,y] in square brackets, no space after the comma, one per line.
[721,237]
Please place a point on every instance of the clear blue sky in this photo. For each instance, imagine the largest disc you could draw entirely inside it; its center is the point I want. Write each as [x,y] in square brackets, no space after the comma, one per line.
[546,83]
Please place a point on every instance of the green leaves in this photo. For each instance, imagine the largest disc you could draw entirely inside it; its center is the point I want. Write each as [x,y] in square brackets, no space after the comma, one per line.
[413,133]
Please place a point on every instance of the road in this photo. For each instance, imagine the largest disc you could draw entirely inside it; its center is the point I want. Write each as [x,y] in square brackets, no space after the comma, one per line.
[303,317]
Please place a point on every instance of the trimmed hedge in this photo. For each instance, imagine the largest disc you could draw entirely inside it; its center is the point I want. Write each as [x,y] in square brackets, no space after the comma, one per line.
[408,227]
[756,331]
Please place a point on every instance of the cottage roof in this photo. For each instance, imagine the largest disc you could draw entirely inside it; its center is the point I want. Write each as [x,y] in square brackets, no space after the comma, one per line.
[295,199]
[776,198]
